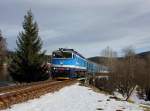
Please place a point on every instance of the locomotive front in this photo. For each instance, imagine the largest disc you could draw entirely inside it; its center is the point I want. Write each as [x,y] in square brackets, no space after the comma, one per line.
[63,64]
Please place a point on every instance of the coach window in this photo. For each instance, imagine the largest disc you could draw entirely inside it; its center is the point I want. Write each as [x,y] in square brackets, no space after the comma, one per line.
[84,63]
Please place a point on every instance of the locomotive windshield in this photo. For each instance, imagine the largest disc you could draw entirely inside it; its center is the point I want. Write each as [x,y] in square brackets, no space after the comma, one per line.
[60,54]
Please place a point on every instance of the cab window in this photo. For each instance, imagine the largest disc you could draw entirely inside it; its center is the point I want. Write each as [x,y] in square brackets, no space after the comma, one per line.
[62,54]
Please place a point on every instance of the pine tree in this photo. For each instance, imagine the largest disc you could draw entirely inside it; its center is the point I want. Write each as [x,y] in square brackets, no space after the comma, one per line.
[27,64]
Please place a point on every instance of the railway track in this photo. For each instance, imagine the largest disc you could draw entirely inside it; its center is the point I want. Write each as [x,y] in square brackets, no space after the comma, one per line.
[20,93]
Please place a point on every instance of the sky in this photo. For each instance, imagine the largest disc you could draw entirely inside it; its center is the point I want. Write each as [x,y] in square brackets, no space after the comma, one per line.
[88,26]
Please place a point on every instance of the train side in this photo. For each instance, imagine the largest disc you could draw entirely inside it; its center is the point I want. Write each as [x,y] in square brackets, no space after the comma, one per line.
[96,68]
[69,63]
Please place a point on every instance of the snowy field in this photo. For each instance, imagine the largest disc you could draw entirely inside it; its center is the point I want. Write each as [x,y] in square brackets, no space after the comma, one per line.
[75,98]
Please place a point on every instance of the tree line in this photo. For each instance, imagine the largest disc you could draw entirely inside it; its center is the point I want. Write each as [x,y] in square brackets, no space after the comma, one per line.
[127,73]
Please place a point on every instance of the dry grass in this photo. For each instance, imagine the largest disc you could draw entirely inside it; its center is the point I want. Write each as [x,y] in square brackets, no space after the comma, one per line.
[130,101]
[98,90]
[146,108]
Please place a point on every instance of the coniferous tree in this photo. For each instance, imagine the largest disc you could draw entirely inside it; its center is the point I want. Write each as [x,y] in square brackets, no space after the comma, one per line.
[27,64]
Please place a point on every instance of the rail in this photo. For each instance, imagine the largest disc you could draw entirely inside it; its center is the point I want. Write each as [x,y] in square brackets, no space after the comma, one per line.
[21,93]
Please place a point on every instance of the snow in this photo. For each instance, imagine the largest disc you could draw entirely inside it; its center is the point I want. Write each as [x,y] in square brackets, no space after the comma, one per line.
[75,98]
[134,97]
[118,95]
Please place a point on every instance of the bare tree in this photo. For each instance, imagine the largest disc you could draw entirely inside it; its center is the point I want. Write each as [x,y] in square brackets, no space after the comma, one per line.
[2,48]
[109,55]
[123,75]
[110,58]
[147,79]
[143,76]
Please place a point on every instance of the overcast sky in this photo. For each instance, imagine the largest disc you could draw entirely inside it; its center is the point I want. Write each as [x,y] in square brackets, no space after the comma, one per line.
[85,25]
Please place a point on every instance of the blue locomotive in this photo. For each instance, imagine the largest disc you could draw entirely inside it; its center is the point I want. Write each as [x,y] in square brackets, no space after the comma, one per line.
[69,63]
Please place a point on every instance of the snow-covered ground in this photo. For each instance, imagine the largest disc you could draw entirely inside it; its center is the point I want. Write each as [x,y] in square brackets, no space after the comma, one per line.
[75,98]
[134,97]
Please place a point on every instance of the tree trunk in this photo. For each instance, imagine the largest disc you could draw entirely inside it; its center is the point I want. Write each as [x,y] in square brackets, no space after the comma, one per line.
[130,93]
[148,94]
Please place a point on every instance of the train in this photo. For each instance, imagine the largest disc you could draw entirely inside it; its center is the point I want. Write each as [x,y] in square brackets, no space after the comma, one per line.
[68,63]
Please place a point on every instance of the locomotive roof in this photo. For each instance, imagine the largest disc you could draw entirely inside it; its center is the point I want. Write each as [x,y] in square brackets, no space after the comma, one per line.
[72,50]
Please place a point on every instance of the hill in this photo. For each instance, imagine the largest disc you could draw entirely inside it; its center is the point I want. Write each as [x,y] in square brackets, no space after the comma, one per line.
[101,60]
[98,59]
[144,54]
